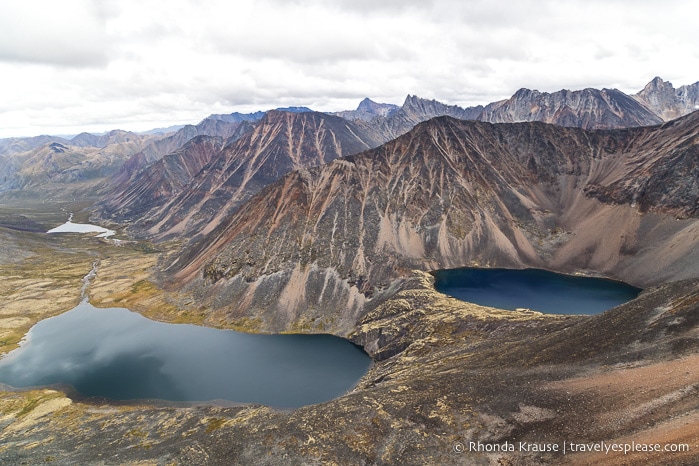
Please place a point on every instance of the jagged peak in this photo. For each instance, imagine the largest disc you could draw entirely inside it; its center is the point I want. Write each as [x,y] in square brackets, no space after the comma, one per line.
[657,84]
[413,101]
[366,102]
[524,93]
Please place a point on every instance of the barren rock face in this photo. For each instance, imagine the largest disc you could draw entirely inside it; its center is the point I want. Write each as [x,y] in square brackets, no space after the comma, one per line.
[667,102]
[587,108]
[279,143]
[151,188]
[329,240]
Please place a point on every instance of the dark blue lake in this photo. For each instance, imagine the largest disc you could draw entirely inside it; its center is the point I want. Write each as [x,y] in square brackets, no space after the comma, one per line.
[119,354]
[535,289]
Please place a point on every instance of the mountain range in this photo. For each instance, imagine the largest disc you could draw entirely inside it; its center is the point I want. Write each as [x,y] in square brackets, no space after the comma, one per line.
[453,193]
[589,109]
[305,222]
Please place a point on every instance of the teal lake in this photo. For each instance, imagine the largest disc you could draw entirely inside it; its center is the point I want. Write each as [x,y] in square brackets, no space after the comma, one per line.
[118,354]
[535,289]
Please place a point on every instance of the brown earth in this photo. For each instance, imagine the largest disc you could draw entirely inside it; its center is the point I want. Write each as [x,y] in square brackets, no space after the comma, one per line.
[446,373]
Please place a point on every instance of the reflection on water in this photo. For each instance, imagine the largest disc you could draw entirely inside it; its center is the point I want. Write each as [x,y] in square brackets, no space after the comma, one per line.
[535,289]
[118,354]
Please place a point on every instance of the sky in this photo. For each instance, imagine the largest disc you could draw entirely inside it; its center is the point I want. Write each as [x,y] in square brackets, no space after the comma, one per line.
[90,65]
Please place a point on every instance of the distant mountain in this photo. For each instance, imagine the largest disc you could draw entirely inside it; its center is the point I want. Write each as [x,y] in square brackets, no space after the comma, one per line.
[587,108]
[152,187]
[416,110]
[279,143]
[294,109]
[367,110]
[667,102]
[12,146]
[234,117]
[111,137]
[326,241]
[166,130]
[55,166]
[207,127]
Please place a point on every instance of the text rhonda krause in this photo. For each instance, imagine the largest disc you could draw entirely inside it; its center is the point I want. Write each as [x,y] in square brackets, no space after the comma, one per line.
[577,447]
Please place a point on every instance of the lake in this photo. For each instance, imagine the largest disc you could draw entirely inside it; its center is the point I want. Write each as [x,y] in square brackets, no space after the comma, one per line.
[70,227]
[121,355]
[535,289]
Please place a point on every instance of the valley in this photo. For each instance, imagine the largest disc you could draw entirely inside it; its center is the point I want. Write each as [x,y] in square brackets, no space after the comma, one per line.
[303,222]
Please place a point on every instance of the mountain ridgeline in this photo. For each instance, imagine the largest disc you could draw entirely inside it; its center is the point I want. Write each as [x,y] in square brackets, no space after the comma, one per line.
[279,143]
[320,244]
[304,222]
[103,163]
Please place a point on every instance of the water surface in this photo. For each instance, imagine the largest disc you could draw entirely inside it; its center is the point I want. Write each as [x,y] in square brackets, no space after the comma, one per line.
[119,354]
[534,289]
[70,227]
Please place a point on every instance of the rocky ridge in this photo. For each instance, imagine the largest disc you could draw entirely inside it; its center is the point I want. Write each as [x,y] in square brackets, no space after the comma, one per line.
[321,245]
[279,143]
[367,110]
[144,190]
[587,108]
[447,373]
[669,103]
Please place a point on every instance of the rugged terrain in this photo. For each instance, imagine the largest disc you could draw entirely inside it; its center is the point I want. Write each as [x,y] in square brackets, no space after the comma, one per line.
[280,142]
[290,242]
[320,245]
[447,373]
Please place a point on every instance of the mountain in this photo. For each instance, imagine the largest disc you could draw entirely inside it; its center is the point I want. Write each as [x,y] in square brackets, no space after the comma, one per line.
[367,110]
[111,137]
[279,143]
[667,102]
[413,111]
[227,127]
[11,146]
[55,166]
[321,244]
[164,130]
[151,188]
[235,117]
[587,108]
[207,127]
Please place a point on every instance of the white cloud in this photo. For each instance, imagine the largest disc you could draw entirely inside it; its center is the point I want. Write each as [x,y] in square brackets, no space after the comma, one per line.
[69,33]
[78,64]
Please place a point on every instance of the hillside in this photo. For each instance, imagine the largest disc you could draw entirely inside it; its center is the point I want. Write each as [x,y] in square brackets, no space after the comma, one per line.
[320,244]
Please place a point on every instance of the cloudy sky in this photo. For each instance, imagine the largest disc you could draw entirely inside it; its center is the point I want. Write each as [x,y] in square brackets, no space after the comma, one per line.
[73,65]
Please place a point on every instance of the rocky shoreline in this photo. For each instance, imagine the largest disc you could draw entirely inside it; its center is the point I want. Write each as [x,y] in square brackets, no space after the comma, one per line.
[447,374]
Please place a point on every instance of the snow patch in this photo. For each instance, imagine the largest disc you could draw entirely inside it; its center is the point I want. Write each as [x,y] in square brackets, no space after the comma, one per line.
[70,227]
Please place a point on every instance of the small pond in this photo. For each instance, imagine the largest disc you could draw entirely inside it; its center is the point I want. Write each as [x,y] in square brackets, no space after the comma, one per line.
[70,227]
[535,289]
[118,354]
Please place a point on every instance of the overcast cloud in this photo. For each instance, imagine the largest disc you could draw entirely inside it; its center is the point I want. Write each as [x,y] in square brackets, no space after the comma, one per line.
[94,65]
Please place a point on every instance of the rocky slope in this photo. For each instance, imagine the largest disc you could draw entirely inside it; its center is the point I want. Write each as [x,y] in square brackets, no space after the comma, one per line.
[587,108]
[447,373]
[321,246]
[279,143]
[667,102]
[416,110]
[147,189]
[62,168]
[226,129]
